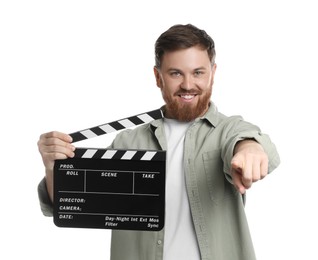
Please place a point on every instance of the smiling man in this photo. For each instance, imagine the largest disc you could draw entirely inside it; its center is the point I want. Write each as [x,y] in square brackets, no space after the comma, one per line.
[185,78]
[212,159]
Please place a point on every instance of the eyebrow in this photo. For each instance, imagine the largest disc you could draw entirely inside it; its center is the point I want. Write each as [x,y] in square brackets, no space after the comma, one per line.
[196,69]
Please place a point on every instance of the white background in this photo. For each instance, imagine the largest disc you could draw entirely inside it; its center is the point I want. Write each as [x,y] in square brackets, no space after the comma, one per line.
[69,65]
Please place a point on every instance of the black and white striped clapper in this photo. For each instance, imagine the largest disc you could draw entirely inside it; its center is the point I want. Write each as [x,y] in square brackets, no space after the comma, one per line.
[109,188]
[116,125]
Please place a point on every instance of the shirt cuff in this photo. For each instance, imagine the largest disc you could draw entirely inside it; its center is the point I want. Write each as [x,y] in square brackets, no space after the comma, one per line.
[262,139]
[45,201]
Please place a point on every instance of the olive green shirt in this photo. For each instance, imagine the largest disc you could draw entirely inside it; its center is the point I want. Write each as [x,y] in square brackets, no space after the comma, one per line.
[217,208]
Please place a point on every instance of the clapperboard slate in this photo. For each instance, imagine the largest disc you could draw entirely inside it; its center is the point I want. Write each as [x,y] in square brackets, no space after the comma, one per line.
[111,189]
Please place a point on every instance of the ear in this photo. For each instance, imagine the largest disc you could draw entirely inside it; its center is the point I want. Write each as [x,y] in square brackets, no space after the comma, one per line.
[157,76]
[214,69]
[213,73]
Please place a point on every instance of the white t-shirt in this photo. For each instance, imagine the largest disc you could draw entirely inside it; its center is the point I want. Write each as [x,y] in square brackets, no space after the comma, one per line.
[180,241]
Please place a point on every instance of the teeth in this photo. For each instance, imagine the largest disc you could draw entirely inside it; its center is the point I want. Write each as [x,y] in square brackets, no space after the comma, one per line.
[187,96]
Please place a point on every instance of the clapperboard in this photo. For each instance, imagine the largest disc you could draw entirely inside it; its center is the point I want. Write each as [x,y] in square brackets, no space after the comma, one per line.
[111,189]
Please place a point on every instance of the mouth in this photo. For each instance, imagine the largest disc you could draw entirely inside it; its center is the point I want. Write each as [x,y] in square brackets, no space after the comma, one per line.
[187,97]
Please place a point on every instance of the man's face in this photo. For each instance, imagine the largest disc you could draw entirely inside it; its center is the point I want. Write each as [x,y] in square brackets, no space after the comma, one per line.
[185,79]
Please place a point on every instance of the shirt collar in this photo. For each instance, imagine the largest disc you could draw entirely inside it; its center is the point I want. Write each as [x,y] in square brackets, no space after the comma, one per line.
[212,115]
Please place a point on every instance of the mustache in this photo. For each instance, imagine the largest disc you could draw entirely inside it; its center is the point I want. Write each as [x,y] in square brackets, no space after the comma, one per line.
[188,92]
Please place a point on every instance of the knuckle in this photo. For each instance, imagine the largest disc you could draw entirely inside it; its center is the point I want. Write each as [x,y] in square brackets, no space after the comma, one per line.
[263,175]
[54,147]
[256,178]
[39,144]
[42,136]
[246,178]
[54,133]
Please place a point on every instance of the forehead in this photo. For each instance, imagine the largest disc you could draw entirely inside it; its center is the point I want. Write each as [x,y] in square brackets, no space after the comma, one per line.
[189,58]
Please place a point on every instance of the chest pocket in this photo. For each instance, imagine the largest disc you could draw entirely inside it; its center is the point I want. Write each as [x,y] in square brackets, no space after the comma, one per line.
[213,167]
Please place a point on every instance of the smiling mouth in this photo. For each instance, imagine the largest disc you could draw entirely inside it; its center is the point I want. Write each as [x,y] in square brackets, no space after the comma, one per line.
[187,97]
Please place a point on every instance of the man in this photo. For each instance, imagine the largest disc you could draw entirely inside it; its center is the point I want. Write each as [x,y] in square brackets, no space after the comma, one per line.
[212,160]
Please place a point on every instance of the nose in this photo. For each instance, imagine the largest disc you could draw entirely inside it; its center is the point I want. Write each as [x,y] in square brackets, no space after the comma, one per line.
[187,82]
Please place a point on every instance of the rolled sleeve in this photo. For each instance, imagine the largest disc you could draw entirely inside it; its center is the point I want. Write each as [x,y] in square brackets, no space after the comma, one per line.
[270,149]
[45,202]
[242,130]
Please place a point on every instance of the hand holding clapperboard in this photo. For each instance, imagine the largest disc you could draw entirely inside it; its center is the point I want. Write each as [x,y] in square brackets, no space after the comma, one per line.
[111,189]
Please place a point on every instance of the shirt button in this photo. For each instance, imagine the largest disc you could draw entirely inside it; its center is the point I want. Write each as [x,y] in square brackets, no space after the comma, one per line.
[159,242]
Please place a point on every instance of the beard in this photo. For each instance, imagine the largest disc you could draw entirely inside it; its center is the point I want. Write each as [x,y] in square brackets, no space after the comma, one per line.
[186,112]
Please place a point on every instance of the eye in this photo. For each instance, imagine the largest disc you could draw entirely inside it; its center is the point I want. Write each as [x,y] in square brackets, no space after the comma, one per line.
[175,73]
[198,72]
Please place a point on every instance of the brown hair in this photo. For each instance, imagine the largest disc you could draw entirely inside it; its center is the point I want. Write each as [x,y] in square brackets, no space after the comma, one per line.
[182,37]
